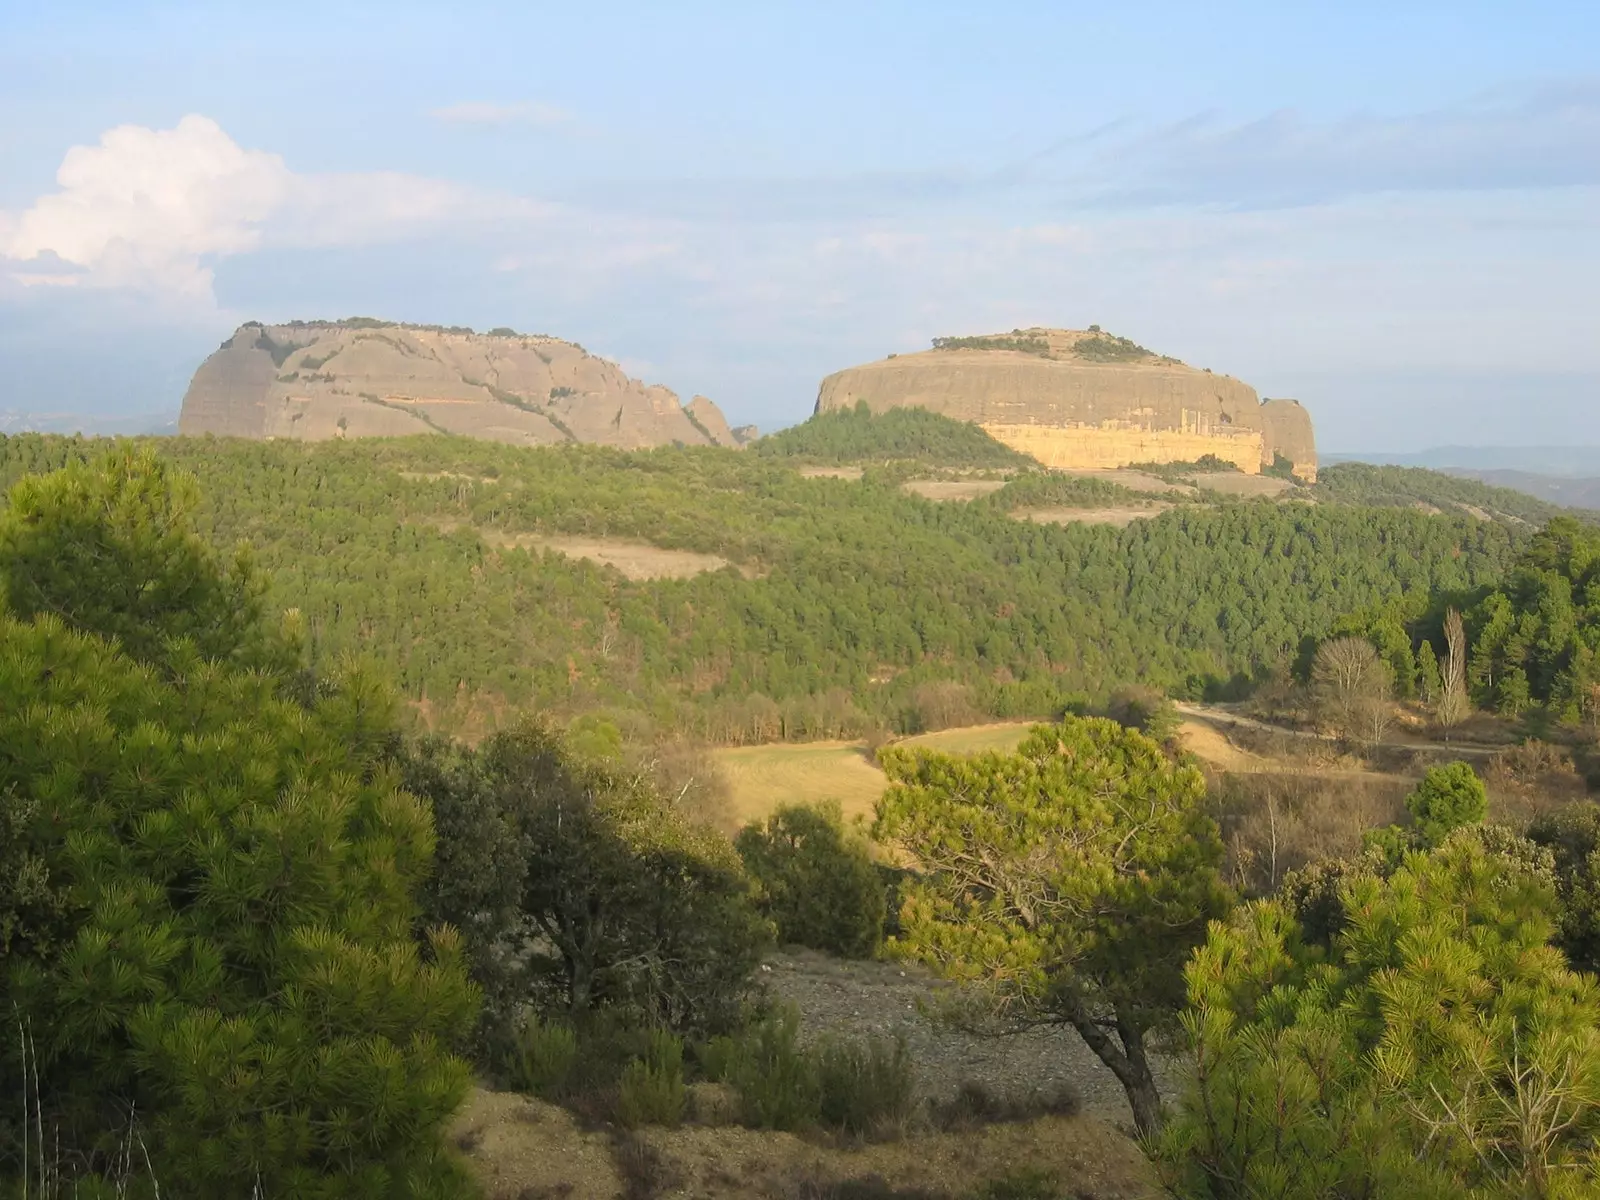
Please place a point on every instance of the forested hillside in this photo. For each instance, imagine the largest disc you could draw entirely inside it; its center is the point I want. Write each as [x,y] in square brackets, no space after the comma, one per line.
[1417,487]
[841,604]
[855,435]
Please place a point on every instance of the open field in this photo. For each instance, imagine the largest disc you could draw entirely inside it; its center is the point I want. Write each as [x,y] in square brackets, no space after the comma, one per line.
[1229,484]
[764,778]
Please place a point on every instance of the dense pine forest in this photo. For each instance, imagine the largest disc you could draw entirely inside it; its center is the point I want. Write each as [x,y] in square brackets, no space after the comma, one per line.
[841,603]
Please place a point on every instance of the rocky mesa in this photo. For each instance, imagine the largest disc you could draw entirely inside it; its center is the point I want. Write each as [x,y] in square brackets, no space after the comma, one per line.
[1085,399]
[367,378]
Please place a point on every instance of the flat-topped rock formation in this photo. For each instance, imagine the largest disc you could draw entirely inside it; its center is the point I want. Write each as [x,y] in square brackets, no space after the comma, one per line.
[1084,399]
[365,378]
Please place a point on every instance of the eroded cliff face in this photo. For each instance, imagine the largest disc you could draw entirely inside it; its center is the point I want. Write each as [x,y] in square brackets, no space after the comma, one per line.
[1083,400]
[315,381]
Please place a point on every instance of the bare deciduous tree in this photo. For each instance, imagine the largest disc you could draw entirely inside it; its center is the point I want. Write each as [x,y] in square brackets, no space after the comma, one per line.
[1453,706]
[1353,689]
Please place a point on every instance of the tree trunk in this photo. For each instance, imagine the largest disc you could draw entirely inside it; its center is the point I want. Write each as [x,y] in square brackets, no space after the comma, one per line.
[1127,1062]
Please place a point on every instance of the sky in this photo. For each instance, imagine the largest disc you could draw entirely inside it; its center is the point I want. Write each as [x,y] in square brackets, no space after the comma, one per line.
[1388,211]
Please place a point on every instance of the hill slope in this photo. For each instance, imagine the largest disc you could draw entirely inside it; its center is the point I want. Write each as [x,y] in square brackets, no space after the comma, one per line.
[469,571]
[316,381]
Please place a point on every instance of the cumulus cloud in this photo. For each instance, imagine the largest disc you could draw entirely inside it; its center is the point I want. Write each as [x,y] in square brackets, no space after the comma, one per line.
[477,112]
[154,209]
[147,206]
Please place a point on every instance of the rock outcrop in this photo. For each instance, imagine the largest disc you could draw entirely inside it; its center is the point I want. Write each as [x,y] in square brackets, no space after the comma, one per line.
[1084,399]
[364,378]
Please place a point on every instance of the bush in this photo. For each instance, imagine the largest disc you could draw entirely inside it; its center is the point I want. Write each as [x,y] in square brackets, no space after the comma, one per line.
[542,1058]
[1447,798]
[866,1087]
[775,1078]
[1022,1183]
[819,886]
[652,1091]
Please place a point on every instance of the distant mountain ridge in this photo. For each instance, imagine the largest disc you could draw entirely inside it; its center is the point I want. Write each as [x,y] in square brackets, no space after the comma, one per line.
[1572,461]
[362,377]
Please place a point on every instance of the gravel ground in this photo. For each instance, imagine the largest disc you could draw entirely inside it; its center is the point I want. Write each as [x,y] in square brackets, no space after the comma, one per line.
[880,998]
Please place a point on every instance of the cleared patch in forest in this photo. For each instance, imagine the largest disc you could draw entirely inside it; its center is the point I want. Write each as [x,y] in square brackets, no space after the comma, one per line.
[1091,516]
[636,560]
[764,778]
[953,489]
[831,472]
[1136,481]
[1229,484]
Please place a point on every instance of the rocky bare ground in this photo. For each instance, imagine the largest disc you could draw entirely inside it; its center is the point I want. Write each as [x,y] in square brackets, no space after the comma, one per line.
[887,999]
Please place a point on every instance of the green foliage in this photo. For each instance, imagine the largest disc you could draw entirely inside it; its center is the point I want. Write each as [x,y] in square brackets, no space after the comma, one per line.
[652,1090]
[1448,797]
[579,885]
[1108,347]
[1410,487]
[1573,835]
[1070,879]
[110,548]
[229,951]
[542,1057]
[775,1077]
[1022,1183]
[819,886]
[1023,343]
[1282,467]
[857,435]
[1146,710]
[867,1087]
[1439,1048]
[395,550]
[1536,637]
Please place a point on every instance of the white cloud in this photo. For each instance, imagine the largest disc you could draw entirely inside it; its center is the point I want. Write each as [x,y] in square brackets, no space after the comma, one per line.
[146,206]
[153,209]
[477,112]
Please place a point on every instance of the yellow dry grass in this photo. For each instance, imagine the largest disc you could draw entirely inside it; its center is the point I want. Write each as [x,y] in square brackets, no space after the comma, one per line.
[973,739]
[1091,516]
[762,779]
[517,1147]
[953,489]
[636,560]
[1230,484]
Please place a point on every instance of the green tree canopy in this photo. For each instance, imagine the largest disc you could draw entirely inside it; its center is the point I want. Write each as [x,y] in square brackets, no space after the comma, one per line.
[1440,1048]
[224,960]
[1067,881]
[109,547]
[582,888]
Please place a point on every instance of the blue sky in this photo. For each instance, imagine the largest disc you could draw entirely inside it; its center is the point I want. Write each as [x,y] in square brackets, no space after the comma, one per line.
[1390,211]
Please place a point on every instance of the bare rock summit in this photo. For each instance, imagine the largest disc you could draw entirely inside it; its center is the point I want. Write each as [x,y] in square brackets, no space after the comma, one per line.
[366,378]
[1085,399]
